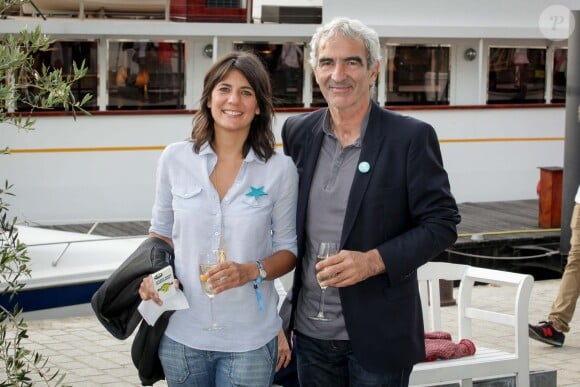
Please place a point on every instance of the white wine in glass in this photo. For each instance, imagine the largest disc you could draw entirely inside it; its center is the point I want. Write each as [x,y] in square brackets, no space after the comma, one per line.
[325,250]
[319,277]
[206,262]
[203,269]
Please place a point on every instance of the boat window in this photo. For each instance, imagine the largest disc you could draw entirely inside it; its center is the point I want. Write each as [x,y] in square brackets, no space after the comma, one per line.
[559,75]
[285,63]
[146,75]
[417,75]
[317,97]
[61,55]
[516,75]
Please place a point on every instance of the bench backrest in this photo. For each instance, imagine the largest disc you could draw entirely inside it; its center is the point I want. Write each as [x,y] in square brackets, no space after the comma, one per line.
[516,316]
[429,276]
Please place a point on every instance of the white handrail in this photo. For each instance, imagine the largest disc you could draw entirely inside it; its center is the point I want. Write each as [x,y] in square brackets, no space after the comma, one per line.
[67,244]
[85,240]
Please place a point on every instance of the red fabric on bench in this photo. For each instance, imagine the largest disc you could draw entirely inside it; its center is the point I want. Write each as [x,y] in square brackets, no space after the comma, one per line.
[439,345]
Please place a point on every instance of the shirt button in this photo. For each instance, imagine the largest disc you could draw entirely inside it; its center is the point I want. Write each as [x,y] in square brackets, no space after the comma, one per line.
[216,233]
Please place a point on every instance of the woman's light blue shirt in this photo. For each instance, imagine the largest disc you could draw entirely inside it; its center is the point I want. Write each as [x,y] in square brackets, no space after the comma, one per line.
[259,219]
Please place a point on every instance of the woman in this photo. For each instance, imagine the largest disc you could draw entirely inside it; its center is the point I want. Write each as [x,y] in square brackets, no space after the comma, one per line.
[228,189]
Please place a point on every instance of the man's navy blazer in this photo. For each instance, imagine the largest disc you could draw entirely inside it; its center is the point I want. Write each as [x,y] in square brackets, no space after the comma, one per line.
[403,207]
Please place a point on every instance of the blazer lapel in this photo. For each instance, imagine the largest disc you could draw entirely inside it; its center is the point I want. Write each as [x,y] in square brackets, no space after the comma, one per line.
[371,147]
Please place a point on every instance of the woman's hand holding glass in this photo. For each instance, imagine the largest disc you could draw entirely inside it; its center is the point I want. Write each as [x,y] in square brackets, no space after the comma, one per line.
[217,276]
[208,262]
[228,275]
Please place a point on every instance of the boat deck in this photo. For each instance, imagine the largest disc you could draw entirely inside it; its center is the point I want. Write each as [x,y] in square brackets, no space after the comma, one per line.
[498,218]
[491,234]
[112,229]
[506,235]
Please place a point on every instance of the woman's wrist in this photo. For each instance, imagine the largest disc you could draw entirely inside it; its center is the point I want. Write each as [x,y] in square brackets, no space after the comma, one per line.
[252,271]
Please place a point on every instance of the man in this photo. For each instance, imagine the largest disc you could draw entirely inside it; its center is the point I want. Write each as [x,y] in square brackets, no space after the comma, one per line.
[372,180]
[552,331]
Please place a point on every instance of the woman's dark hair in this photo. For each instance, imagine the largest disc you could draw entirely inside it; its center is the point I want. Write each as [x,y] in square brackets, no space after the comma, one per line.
[261,138]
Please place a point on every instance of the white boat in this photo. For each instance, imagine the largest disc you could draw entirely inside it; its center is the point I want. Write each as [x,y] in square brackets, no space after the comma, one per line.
[67,267]
[102,167]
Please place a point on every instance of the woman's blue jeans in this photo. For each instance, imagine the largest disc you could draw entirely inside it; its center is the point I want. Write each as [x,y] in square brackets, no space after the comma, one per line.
[185,366]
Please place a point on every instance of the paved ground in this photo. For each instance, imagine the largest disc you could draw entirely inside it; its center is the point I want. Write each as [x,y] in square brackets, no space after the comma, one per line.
[81,348]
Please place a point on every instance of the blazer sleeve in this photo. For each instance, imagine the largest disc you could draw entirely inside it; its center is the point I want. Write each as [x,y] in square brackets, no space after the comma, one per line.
[432,214]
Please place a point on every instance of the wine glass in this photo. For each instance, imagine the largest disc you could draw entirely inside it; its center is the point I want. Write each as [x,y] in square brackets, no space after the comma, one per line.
[325,250]
[206,262]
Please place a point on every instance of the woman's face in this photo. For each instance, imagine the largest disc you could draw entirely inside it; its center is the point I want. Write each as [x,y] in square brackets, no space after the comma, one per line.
[233,103]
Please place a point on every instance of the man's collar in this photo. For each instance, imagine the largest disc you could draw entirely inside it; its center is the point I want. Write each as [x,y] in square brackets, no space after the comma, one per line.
[329,130]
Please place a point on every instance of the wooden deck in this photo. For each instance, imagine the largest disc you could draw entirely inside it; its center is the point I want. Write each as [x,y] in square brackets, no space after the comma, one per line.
[503,235]
[501,220]
[496,220]
[507,235]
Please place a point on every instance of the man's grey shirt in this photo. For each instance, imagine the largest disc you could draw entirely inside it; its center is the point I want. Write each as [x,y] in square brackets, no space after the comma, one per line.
[327,203]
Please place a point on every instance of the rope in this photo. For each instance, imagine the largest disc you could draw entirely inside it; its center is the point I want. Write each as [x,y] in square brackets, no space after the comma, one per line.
[547,254]
[506,232]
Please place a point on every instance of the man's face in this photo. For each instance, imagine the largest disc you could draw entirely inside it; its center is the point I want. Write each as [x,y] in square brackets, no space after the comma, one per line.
[342,73]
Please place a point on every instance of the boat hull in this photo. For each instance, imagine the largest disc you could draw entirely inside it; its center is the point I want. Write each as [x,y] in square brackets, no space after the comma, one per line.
[54,297]
[66,267]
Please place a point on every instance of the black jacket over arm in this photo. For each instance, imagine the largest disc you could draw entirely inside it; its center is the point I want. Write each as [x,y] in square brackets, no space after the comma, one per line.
[115,305]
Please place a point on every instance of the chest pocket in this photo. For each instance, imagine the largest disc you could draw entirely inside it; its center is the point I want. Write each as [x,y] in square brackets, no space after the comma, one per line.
[259,210]
[260,202]
[187,197]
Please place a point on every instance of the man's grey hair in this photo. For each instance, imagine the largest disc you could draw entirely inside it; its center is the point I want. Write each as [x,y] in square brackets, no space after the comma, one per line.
[349,28]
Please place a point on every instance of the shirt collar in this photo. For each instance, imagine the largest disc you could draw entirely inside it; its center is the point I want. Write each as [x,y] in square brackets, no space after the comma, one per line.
[206,149]
[251,156]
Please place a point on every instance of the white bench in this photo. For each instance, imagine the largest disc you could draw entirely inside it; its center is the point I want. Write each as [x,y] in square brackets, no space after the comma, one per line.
[487,362]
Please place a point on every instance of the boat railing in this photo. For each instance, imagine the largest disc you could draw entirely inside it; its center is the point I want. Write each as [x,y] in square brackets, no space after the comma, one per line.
[175,10]
[130,9]
[68,244]
[218,11]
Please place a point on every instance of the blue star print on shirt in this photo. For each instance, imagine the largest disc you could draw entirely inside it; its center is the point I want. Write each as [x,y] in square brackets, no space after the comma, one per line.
[256,192]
